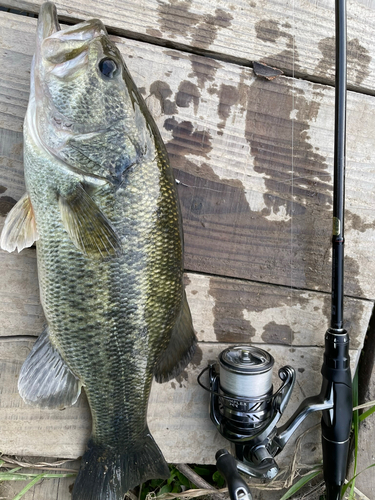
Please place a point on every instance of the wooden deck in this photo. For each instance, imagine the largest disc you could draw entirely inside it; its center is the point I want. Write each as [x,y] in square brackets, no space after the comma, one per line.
[253,159]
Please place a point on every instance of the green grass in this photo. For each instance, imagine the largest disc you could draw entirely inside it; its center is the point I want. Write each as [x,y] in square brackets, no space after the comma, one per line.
[33,477]
[176,483]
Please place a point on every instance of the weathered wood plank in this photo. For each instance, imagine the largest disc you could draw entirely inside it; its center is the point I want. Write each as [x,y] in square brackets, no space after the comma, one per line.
[256,204]
[184,432]
[20,310]
[227,310]
[294,36]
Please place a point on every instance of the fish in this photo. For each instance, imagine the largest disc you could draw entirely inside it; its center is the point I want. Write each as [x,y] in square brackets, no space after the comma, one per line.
[101,206]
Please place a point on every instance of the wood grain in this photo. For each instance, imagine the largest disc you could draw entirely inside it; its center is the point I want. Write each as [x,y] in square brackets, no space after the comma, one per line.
[294,36]
[253,159]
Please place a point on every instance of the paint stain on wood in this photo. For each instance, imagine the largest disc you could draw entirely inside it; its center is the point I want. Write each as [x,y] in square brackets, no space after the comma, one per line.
[188,92]
[6,205]
[230,302]
[277,334]
[154,32]
[162,91]
[204,34]
[187,140]
[358,59]
[270,31]
[203,69]
[176,19]
[229,95]
[354,221]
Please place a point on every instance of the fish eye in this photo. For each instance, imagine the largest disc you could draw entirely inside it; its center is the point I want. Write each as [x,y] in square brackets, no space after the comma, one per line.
[108,67]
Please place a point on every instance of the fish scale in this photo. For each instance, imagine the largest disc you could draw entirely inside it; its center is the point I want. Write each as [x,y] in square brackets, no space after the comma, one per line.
[102,206]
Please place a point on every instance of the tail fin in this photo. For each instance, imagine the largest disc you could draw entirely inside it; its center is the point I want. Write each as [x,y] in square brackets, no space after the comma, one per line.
[107,474]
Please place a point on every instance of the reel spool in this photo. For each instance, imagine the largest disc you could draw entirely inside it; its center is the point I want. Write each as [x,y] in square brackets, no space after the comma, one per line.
[246,379]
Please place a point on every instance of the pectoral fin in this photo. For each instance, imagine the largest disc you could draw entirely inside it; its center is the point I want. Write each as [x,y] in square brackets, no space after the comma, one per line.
[89,229]
[45,379]
[180,349]
[19,230]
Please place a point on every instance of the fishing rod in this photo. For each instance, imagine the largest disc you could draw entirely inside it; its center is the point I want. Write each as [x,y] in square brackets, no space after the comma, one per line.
[242,403]
[337,379]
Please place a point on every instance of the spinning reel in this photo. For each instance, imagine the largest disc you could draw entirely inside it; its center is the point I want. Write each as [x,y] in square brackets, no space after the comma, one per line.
[245,410]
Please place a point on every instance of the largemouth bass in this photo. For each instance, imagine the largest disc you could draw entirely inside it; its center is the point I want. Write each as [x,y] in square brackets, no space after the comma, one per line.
[102,206]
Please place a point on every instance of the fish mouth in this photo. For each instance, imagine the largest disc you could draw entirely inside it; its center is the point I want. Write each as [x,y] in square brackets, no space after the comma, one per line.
[56,45]
[47,21]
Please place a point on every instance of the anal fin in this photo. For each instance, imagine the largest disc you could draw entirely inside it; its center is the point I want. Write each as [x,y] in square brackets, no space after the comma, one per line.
[45,379]
[19,230]
[180,349]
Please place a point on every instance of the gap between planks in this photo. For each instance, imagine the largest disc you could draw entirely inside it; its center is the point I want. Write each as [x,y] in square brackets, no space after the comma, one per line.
[169,44]
[286,287]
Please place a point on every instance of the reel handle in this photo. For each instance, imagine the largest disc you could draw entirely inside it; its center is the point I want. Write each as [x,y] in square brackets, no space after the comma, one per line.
[237,487]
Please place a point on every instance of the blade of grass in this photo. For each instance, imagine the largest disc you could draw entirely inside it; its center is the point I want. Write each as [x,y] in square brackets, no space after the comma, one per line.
[11,476]
[367,413]
[28,486]
[36,479]
[364,405]
[346,486]
[298,485]
[23,476]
